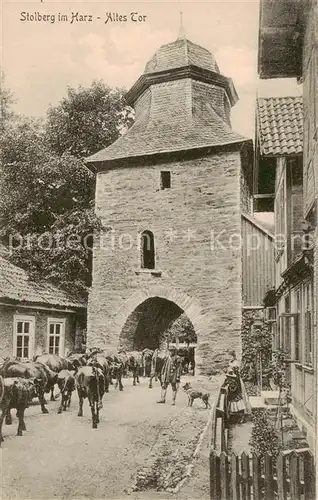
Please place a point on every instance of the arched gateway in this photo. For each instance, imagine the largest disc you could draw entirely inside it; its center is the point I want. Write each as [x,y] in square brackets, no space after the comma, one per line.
[145,318]
[171,190]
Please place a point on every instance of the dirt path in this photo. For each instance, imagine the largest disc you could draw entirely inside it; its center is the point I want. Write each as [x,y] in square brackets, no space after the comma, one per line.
[61,456]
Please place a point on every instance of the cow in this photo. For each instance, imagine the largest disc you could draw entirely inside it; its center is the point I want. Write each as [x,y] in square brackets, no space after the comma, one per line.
[15,392]
[146,357]
[188,359]
[99,361]
[135,365]
[157,362]
[66,384]
[118,363]
[90,384]
[77,359]
[44,377]
[122,357]
[55,363]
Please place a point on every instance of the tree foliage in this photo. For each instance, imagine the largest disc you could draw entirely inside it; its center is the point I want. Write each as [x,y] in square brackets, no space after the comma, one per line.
[87,120]
[6,101]
[181,328]
[47,193]
[38,185]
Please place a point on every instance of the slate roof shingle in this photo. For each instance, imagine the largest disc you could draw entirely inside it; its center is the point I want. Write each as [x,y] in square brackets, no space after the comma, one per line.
[280,125]
[154,137]
[16,285]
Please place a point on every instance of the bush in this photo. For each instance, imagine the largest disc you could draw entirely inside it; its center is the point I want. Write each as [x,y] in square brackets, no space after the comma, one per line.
[264,437]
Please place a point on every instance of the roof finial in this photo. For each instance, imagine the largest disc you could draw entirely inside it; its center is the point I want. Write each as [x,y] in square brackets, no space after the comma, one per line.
[181,28]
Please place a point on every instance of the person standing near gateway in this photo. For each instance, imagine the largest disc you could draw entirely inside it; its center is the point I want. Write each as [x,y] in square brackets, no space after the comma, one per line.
[238,401]
[170,374]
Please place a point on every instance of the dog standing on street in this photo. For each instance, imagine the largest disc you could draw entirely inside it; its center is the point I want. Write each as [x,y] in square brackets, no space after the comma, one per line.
[196,394]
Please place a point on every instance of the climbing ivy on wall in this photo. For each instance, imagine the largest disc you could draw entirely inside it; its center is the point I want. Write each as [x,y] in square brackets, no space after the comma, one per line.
[276,371]
[256,344]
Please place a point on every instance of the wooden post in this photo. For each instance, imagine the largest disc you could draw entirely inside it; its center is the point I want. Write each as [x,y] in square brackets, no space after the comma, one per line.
[224,480]
[309,476]
[214,476]
[256,461]
[269,490]
[281,476]
[294,476]
[246,485]
[223,444]
[235,478]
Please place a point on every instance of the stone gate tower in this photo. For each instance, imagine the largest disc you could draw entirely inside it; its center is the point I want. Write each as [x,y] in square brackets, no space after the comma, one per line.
[171,192]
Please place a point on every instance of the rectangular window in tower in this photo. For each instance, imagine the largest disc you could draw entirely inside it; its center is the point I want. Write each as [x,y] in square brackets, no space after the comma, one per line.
[165,179]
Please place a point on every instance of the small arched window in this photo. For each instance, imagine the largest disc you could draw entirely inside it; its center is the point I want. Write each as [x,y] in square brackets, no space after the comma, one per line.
[147,250]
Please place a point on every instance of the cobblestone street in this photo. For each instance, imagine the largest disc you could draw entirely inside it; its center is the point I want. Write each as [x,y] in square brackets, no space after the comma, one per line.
[61,456]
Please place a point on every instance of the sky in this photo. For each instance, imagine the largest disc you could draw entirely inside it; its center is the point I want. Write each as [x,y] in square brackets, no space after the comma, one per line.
[41,58]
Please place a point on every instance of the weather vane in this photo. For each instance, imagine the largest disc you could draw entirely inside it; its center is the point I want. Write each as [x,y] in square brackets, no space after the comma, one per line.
[181,28]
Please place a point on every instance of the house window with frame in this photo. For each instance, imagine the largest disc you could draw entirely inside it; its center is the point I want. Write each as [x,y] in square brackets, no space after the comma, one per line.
[56,330]
[23,337]
[287,327]
[308,341]
[147,244]
[297,328]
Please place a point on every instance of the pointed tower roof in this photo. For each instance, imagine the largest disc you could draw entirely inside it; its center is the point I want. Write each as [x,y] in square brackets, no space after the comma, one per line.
[182,52]
[182,103]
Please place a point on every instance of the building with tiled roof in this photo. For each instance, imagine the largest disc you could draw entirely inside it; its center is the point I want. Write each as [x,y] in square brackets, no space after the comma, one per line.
[280,125]
[179,175]
[279,134]
[288,48]
[15,285]
[36,316]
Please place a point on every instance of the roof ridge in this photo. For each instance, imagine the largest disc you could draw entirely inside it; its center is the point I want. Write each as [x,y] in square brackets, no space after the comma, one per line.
[279,97]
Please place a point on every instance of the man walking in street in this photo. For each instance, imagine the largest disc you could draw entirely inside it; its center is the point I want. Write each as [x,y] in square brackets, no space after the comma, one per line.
[170,374]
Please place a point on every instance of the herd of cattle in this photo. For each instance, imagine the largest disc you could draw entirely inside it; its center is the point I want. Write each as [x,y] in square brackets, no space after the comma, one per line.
[91,374]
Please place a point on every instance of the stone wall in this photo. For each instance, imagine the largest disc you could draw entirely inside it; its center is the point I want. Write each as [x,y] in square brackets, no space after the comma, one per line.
[40,317]
[195,223]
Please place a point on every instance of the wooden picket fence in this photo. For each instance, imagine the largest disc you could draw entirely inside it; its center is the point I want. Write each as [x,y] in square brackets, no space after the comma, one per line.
[249,477]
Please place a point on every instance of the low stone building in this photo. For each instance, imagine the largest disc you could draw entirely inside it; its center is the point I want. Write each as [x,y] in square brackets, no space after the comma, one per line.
[171,191]
[36,317]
